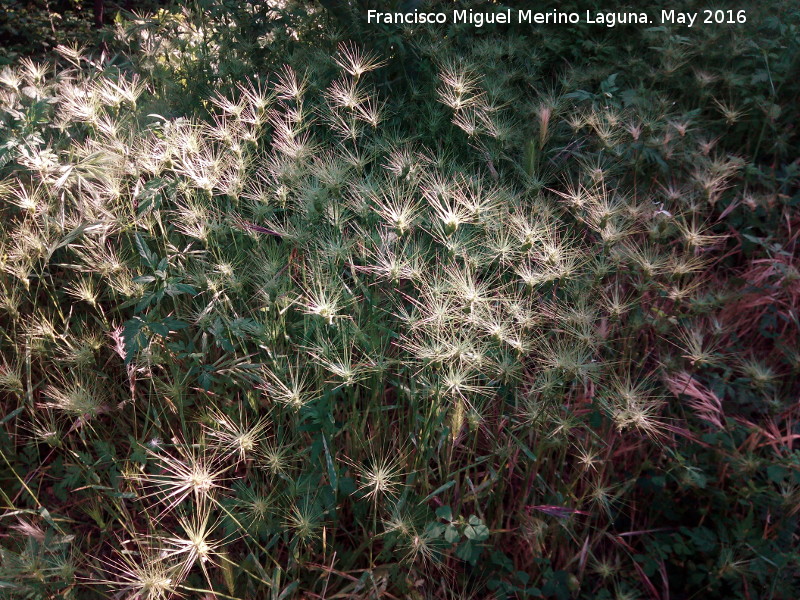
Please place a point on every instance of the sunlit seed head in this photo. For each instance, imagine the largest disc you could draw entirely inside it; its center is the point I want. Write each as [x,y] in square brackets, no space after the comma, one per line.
[354,61]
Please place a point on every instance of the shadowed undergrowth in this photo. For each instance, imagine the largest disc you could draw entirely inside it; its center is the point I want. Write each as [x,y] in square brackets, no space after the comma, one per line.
[431,315]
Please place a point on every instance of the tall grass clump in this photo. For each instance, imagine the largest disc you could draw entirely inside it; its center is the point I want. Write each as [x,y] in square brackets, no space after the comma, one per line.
[335,327]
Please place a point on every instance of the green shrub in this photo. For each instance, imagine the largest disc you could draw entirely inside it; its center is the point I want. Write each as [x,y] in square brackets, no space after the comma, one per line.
[297,317]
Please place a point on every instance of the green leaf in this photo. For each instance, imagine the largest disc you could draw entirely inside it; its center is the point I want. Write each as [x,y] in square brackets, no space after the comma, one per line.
[12,414]
[465,551]
[777,473]
[451,534]
[159,328]
[149,257]
[439,490]
[435,529]
[329,463]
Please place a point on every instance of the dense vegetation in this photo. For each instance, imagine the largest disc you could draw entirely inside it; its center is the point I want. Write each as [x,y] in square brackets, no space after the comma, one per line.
[293,306]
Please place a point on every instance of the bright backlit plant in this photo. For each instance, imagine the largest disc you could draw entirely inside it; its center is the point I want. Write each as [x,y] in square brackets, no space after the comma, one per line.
[358,324]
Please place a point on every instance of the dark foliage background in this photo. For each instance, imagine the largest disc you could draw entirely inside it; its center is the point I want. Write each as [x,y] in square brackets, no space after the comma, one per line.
[514,313]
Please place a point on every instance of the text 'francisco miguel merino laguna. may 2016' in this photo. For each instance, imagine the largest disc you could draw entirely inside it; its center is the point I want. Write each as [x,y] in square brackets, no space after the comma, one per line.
[556,17]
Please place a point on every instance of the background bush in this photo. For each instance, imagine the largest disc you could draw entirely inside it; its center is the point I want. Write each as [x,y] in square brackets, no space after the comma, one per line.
[443,312]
